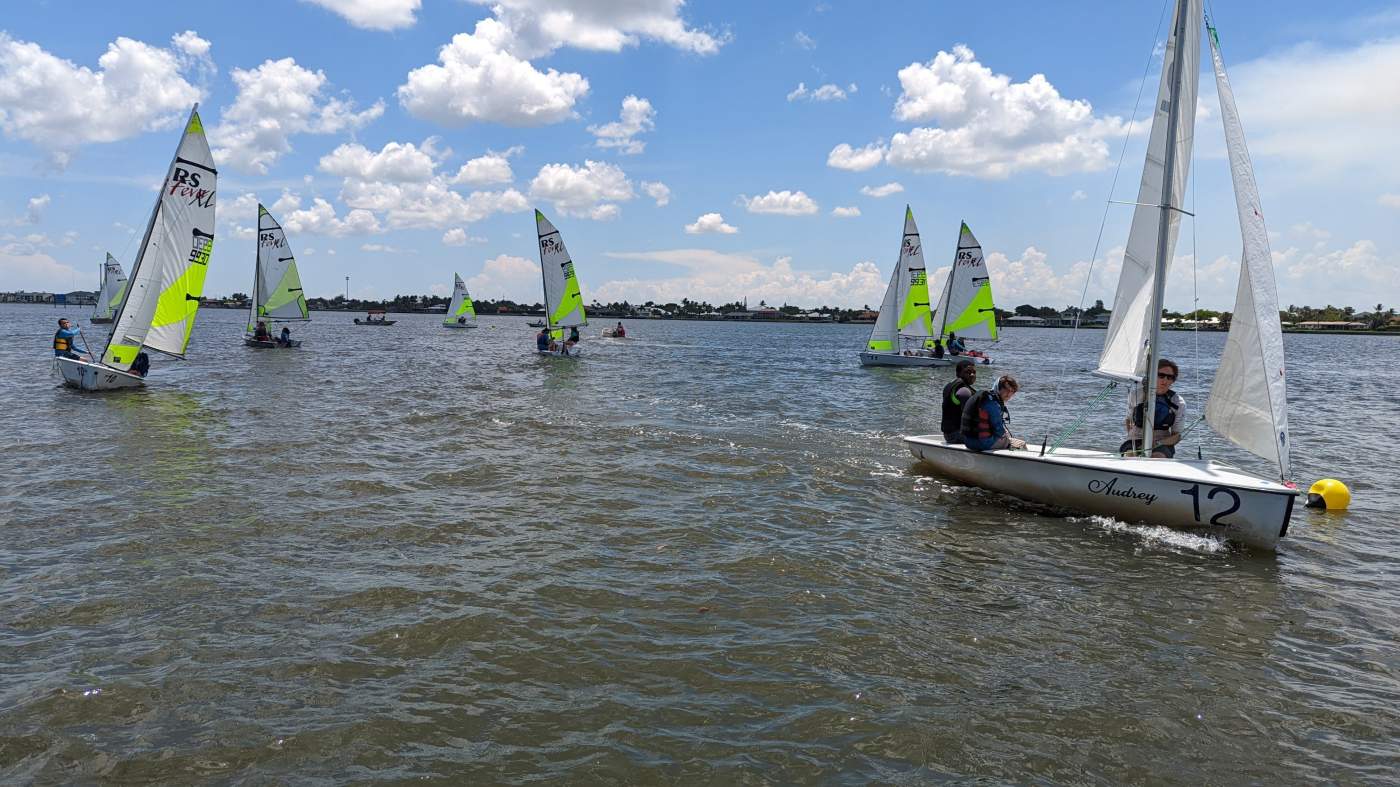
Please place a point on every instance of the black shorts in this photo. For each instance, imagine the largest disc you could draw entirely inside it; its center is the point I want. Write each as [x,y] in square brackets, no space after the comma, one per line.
[1169,451]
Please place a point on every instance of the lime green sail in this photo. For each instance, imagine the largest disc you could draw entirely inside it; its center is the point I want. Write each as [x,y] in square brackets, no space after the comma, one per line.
[966,307]
[460,311]
[562,298]
[277,291]
[904,312]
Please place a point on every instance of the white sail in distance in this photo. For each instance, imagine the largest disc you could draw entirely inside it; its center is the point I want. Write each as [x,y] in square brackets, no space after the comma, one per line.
[277,292]
[966,307]
[461,305]
[1248,401]
[109,297]
[905,308]
[167,277]
[563,302]
[1124,354]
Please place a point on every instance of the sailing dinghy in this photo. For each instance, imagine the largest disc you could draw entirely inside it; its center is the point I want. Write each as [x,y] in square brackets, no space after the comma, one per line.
[965,308]
[1248,399]
[277,293]
[109,295]
[167,277]
[563,302]
[905,325]
[460,313]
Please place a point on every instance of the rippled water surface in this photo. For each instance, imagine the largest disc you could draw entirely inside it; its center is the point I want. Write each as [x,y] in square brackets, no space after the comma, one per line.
[699,555]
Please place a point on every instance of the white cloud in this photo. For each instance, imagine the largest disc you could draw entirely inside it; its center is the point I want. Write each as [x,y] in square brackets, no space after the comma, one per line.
[804,41]
[374,14]
[721,278]
[1308,230]
[381,248]
[541,26]
[827,92]
[459,237]
[991,127]
[489,169]
[508,276]
[24,268]
[34,209]
[1389,200]
[786,203]
[429,205]
[478,80]
[881,191]
[191,44]
[59,106]
[321,219]
[710,222]
[657,191]
[592,190]
[395,162]
[1358,274]
[637,117]
[844,212]
[276,101]
[1078,195]
[843,156]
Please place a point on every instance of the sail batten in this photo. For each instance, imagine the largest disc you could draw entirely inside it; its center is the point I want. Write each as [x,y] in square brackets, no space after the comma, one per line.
[563,301]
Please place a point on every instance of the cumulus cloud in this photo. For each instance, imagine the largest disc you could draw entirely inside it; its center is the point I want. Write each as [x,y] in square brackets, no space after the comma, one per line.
[34,209]
[321,218]
[844,212]
[459,237]
[1078,195]
[843,156]
[710,222]
[1355,274]
[592,190]
[59,106]
[508,276]
[276,101]
[657,191]
[804,41]
[881,191]
[23,267]
[720,278]
[428,205]
[395,162]
[382,248]
[785,203]
[490,169]
[827,92]
[374,14]
[542,26]
[479,80]
[637,117]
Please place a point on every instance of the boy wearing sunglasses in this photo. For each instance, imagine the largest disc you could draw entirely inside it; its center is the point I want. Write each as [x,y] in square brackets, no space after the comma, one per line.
[1168,420]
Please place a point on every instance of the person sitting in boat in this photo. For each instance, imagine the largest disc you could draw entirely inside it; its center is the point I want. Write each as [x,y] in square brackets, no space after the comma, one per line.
[462,320]
[63,340]
[573,336]
[1166,425]
[285,338]
[260,333]
[938,349]
[620,332]
[985,415]
[542,342]
[955,345]
[955,395]
[141,364]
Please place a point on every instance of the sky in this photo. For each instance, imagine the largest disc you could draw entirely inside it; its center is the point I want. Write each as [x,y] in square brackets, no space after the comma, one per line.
[710,150]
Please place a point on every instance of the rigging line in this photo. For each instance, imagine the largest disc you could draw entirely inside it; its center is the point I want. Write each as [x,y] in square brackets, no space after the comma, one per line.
[1069,431]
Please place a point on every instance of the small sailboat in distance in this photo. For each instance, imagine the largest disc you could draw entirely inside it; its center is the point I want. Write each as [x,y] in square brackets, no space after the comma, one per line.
[563,302]
[277,292]
[460,312]
[905,323]
[167,276]
[109,294]
[965,309]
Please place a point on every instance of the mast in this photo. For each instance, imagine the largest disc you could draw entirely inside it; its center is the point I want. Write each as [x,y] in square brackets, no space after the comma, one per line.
[257,276]
[1165,208]
[947,294]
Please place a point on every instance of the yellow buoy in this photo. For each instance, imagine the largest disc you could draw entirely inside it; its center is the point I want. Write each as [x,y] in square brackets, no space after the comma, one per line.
[1329,493]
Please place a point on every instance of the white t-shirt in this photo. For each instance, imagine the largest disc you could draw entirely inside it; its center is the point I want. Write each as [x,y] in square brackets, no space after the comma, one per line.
[1135,398]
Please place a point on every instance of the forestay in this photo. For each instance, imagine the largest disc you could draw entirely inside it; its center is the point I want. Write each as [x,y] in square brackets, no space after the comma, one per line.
[1125,346]
[1248,402]
[966,307]
[167,277]
[905,308]
[109,299]
[562,298]
[461,305]
[277,292]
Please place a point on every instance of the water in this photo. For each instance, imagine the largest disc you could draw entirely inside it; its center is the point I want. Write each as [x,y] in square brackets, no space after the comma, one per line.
[702,555]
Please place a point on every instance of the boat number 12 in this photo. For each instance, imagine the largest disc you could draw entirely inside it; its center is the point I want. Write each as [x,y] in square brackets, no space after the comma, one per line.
[1194,492]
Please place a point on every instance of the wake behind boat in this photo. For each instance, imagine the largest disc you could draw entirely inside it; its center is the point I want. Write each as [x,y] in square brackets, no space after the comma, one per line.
[277,292]
[563,302]
[1248,398]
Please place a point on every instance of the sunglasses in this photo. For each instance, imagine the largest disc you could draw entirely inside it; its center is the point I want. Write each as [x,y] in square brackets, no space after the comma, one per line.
[1161,376]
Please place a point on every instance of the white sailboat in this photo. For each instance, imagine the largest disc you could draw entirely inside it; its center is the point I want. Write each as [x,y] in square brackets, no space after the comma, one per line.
[109,294]
[277,292]
[461,313]
[965,308]
[563,302]
[905,324]
[1248,400]
[167,277]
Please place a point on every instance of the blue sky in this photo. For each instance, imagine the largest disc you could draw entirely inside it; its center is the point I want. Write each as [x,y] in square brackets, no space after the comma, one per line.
[690,149]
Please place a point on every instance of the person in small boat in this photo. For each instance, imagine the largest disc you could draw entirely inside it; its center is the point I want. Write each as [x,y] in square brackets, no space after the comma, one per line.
[573,336]
[260,333]
[462,320]
[938,349]
[955,345]
[620,332]
[141,365]
[542,342]
[955,395]
[63,340]
[1166,425]
[985,415]
[285,338]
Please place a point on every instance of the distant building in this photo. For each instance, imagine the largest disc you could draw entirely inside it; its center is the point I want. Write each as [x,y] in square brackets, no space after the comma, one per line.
[1024,321]
[1332,325]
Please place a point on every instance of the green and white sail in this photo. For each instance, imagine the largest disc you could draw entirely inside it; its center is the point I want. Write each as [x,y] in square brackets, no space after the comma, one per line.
[966,307]
[277,293]
[167,277]
[563,302]
[461,305]
[109,297]
[904,312]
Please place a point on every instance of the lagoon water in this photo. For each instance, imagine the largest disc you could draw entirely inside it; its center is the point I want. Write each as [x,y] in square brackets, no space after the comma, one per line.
[700,555]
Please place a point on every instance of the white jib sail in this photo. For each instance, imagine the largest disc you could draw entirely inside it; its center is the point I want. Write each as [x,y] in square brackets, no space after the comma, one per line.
[1125,346]
[461,305]
[167,277]
[966,307]
[915,312]
[563,302]
[113,288]
[277,292]
[884,337]
[1248,401]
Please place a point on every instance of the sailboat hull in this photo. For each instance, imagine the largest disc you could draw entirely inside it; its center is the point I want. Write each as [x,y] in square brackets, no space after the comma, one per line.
[868,358]
[96,377]
[1199,496]
[249,341]
[457,326]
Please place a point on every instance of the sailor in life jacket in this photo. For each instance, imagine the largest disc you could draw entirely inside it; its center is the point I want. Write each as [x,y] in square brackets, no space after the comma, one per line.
[984,418]
[955,395]
[63,341]
[1168,419]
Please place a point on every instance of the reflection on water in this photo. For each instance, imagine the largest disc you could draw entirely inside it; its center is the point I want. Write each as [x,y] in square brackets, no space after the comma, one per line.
[408,553]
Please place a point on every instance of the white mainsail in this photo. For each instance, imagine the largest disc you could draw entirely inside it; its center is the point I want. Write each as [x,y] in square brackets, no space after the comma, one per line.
[563,302]
[966,307]
[461,305]
[1125,348]
[904,312]
[109,298]
[277,292]
[1248,401]
[167,277]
